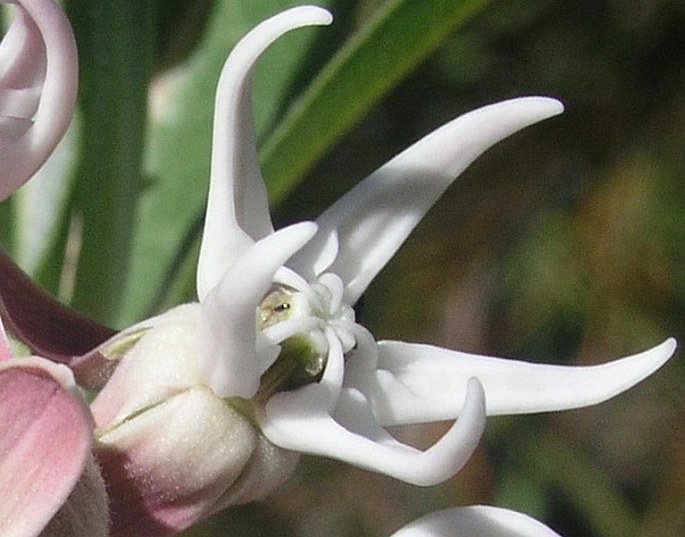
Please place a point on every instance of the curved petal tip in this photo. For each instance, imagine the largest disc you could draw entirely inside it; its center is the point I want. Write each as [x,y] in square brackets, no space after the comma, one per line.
[553,106]
[237,207]
[310,15]
[521,111]
[300,421]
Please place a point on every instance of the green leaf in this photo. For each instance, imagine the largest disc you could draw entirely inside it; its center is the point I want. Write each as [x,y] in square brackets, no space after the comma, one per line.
[116,43]
[401,35]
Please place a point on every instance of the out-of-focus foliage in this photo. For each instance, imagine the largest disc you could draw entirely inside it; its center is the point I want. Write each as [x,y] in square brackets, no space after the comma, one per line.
[565,243]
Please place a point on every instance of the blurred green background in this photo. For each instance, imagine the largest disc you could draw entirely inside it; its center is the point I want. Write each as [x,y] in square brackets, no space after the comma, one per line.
[564,244]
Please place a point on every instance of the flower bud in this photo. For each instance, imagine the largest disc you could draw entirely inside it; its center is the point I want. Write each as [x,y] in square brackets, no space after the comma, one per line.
[171,451]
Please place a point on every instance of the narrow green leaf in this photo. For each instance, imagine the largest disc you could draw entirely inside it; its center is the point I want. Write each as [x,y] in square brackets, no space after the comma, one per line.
[116,51]
[401,35]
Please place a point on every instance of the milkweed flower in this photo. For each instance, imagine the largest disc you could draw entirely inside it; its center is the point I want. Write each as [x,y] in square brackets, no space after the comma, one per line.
[318,381]
[476,521]
[208,405]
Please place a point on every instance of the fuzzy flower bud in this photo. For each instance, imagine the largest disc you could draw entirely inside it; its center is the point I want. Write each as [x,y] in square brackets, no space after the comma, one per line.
[171,451]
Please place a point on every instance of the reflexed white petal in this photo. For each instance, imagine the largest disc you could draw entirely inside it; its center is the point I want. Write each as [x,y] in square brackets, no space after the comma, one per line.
[237,208]
[476,521]
[375,217]
[227,334]
[511,387]
[300,421]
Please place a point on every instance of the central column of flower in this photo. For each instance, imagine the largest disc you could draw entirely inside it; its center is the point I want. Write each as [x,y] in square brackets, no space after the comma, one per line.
[314,328]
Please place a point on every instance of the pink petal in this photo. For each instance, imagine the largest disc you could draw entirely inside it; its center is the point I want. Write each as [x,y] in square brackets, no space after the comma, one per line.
[45,441]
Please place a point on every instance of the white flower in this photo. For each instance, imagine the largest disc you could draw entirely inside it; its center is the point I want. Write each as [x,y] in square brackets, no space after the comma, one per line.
[277,325]
[476,521]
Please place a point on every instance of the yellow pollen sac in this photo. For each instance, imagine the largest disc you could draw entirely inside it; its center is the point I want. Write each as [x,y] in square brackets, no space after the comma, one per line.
[275,307]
